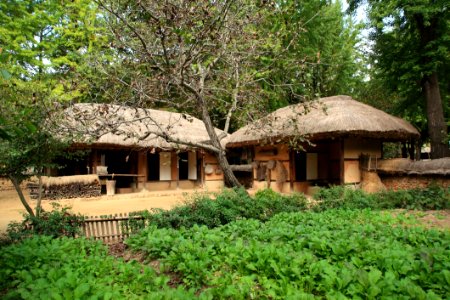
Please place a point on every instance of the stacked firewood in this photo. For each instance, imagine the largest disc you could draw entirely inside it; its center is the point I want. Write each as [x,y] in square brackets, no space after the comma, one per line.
[72,190]
[64,189]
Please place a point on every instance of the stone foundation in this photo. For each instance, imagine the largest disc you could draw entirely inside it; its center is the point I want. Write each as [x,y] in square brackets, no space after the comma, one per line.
[406,182]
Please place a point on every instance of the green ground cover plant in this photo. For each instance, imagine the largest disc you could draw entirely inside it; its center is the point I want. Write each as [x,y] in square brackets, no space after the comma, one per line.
[336,254]
[43,267]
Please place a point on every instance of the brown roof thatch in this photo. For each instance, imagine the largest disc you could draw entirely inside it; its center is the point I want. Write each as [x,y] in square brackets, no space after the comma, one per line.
[327,117]
[107,124]
[65,180]
[439,166]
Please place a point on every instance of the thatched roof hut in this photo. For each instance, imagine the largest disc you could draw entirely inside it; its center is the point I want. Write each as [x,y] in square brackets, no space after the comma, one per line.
[337,116]
[114,125]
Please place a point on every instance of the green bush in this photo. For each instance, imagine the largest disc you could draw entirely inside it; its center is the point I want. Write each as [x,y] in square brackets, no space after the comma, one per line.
[55,223]
[228,206]
[433,197]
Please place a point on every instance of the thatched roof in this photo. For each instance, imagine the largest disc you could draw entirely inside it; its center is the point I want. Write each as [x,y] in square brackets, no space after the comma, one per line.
[439,166]
[114,125]
[337,116]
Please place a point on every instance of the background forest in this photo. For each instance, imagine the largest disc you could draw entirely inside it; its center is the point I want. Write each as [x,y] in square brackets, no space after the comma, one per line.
[232,61]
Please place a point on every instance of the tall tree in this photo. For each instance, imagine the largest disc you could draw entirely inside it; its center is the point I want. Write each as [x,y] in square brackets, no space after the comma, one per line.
[47,43]
[42,44]
[28,146]
[203,56]
[411,48]
[327,44]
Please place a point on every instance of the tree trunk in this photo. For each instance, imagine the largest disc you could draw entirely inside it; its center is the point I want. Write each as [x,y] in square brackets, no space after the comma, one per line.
[16,184]
[39,200]
[230,179]
[437,129]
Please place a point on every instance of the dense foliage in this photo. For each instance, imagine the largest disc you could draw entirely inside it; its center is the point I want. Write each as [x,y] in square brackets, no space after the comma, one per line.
[27,144]
[410,62]
[47,45]
[228,206]
[337,254]
[236,204]
[58,222]
[433,197]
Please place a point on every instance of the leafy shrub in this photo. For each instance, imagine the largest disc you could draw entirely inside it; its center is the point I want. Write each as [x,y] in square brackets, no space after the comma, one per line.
[228,206]
[55,223]
[433,197]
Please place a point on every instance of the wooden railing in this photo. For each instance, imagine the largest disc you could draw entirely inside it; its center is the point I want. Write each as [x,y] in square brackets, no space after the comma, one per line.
[112,228]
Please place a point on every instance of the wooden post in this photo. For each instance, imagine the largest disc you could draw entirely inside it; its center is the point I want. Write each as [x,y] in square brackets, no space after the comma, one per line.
[110,187]
[342,161]
[202,168]
[291,169]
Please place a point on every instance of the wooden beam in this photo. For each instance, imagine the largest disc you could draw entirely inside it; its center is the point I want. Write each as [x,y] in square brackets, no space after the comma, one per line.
[242,168]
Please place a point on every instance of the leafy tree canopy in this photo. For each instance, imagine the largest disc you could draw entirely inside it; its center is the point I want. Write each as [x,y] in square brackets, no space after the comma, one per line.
[411,60]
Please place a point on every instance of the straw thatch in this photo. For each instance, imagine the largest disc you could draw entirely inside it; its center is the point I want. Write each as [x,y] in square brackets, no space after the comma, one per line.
[324,118]
[107,124]
[64,180]
[439,166]
[65,187]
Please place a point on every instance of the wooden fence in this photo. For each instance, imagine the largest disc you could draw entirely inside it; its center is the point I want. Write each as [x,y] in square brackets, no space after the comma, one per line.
[112,228]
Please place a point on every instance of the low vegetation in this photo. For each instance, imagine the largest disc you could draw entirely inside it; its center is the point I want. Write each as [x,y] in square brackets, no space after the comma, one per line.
[45,268]
[55,223]
[337,254]
[228,206]
[431,198]
[343,244]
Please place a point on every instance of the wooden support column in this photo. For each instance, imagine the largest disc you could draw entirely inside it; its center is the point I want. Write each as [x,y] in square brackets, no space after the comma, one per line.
[175,168]
[291,170]
[142,169]
[342,161]
[201,155]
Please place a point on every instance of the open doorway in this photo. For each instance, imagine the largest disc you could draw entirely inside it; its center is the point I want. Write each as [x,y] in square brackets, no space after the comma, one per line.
[183,166]
[153,163]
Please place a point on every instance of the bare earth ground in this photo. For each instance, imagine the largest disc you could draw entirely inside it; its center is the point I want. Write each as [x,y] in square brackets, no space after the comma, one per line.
[439,219]
[11,209]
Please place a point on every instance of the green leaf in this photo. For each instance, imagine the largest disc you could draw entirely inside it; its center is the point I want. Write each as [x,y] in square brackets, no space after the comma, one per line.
[374,276]
[81,290]
[5,74]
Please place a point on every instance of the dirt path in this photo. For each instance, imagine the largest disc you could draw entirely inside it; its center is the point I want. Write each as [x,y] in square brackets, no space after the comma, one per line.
[11,209]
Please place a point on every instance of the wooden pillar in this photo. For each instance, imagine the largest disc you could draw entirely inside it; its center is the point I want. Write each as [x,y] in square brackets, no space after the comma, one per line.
[94,161]
[342,162]
[201,155]
[175,169]
[291,169]
[142,169]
